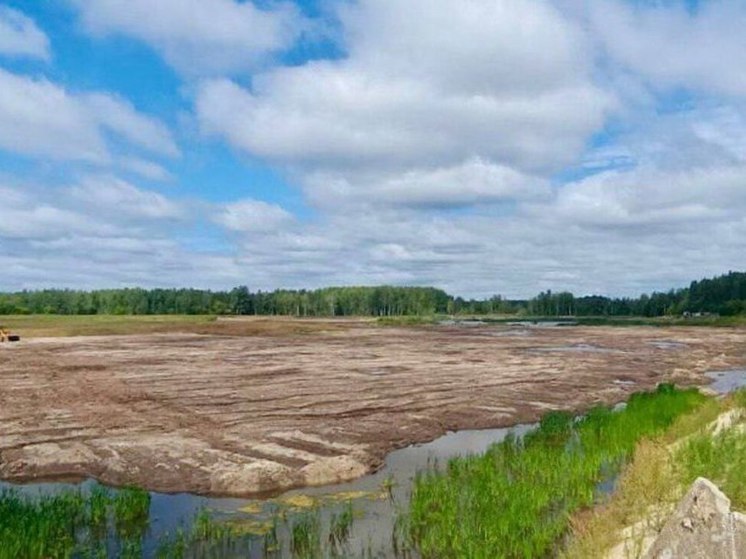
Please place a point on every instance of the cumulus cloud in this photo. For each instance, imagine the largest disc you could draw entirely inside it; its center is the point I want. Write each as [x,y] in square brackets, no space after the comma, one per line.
[41,118]
[20,36]
[121,117]
[99,232]
[673,45]
[483,147]
[509,84]
[472,182]
[252,216]
[198,36]
[111,195]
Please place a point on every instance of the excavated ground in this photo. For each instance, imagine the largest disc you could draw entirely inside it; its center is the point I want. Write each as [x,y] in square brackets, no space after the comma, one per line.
[246,410]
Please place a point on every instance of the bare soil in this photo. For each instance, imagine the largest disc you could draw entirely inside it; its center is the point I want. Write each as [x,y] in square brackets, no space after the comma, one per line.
[248,407]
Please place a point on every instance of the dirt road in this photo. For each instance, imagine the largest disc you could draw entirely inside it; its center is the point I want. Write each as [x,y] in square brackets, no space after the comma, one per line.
[239,415]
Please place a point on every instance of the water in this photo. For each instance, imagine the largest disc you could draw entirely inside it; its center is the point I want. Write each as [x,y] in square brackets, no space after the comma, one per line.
[375,498]
[667,344]
[724,382]
[575,348]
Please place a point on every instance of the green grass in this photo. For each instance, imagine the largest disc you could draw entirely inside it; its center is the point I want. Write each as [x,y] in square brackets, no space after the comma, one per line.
[515,500]
[409,320]
[72,524]
[659,475]
[720,458]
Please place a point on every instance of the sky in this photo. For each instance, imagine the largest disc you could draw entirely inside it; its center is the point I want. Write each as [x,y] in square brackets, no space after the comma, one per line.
[481,146]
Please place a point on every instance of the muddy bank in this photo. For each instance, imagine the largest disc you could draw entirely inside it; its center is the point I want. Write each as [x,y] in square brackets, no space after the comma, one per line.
[240,415]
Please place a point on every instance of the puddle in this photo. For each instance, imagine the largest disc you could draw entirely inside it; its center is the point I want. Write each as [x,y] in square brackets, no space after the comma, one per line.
[543,323]
[724,382]
[513,332]
[622,382]
[667,344]
[575,348]
[467,323]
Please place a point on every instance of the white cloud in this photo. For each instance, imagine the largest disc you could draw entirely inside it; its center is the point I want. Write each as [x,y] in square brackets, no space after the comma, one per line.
[20,36]
[509,85]
[435,151]
[40,118]
[145,168]
[673,45]
[198,36]
[253,216]
[122,118]
[111,195]
[472,182]
[646,197]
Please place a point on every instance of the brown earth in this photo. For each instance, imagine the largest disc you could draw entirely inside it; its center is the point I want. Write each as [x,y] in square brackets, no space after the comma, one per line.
[246,407]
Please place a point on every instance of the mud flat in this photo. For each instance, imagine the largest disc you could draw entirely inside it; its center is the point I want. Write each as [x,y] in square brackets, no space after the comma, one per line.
[221,413]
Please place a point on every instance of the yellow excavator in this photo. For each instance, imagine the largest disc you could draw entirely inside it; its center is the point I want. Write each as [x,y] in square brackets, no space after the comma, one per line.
[6,336]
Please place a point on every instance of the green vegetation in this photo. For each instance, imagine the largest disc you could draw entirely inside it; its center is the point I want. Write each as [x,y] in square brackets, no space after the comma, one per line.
[332,301]
[522,498]
[515,500]
[720,458]
[72,523]
[724,295]
[659,474]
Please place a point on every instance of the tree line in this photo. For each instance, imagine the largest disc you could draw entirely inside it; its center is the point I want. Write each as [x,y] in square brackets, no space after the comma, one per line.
[725,295]
[331,301]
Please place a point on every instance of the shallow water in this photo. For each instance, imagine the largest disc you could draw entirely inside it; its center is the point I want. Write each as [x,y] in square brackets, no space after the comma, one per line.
[575,348]
[727,381]
[667,344]
[375,498]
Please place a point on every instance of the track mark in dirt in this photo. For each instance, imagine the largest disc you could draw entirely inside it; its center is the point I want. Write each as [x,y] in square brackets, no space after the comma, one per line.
[221,413]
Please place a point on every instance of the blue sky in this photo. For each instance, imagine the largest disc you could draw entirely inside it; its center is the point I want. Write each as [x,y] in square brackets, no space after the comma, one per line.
[480,146]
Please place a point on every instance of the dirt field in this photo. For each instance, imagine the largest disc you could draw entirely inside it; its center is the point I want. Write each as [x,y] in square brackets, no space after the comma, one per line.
[243,407]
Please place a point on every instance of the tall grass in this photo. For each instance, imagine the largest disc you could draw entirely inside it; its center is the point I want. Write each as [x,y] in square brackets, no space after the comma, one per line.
[514,501]
[73,524]
[720,457]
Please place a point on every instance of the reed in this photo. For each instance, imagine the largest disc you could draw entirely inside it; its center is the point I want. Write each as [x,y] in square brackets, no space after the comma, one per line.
[514,501]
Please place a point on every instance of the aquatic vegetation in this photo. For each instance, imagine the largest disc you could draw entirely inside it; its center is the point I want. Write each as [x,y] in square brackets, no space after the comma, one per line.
[305,535]
[515,500]
[73,523]
[340,525]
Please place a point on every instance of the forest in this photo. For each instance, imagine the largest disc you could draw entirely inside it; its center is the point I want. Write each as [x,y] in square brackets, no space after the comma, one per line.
[724,295]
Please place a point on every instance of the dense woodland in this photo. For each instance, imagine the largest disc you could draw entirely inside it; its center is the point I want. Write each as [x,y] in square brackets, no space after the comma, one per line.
[724,295]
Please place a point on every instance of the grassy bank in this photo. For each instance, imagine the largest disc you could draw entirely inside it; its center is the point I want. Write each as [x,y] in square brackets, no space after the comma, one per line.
[660,473]
[515,500]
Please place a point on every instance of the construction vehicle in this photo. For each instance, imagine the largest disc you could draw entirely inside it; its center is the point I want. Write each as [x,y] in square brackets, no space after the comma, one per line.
[6,336]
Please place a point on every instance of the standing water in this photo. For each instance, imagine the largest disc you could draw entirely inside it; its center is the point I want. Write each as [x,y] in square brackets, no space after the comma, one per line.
[724,382]
[374,500]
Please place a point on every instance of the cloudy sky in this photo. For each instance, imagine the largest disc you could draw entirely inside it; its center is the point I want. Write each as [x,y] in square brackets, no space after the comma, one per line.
[482,146]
